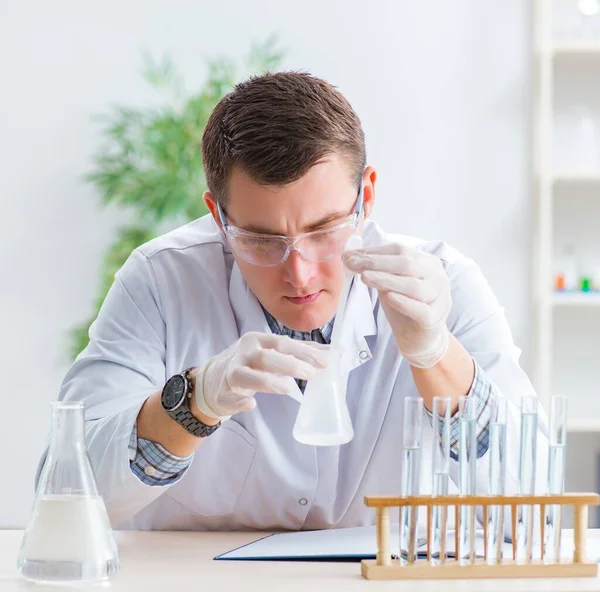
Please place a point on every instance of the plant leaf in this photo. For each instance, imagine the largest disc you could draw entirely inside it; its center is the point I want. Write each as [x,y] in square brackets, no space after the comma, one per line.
[150,162]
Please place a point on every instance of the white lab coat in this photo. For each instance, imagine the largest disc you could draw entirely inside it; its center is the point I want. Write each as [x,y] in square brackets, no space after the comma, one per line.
[179,300]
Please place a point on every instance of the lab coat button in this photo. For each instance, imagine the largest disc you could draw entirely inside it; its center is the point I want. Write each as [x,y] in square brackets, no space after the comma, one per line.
[302,501]
[363,355]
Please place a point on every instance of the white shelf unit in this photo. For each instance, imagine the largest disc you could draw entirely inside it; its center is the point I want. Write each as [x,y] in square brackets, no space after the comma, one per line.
[576,299]
[562,319]
[581,49]
[577,177]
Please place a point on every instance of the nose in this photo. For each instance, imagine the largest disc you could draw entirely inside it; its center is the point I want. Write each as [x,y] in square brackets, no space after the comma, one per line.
[298,271]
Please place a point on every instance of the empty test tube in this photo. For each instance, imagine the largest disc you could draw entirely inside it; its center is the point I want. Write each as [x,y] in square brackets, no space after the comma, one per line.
[497,477]
[527,464]
[556,477]
[411,464]
[442,409]
[467,460]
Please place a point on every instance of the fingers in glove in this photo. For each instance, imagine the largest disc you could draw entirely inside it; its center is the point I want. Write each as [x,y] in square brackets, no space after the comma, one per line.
[419,267]
[275,362]
[315,354]
[426,315]
[392,248]
[258,380]
[426,290]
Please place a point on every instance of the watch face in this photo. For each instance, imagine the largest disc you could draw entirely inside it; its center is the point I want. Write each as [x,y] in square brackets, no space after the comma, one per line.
[174,392]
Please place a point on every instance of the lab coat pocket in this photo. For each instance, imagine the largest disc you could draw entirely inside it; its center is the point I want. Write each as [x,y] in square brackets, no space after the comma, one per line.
[214,481]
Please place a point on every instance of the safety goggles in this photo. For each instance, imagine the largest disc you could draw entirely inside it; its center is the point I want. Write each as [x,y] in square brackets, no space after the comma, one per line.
[317,246]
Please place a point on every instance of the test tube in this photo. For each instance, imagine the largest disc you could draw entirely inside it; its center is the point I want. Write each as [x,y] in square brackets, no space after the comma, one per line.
[556,476]
[497,456]
[527,463]
[411,464]
[467,458]
[442,409]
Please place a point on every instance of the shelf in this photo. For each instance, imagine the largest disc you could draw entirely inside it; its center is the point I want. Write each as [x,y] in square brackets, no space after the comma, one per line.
[572,177]
[576,299]
[566,206]
[577,48]
[583,424]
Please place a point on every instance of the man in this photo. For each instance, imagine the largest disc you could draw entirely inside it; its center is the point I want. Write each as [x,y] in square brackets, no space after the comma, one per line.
[187,375]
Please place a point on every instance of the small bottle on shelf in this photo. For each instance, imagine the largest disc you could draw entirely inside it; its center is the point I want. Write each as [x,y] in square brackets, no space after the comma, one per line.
[567,278]
[587,277]
[586,283]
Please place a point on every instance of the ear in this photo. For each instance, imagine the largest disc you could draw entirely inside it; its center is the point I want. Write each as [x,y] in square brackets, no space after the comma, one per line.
[211,203]
[369,179]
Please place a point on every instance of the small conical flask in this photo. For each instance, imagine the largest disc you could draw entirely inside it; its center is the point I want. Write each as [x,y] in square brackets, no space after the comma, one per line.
[323,418]
[68,537]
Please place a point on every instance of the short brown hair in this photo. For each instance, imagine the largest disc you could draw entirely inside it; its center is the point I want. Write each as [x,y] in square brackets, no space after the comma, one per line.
[275,127]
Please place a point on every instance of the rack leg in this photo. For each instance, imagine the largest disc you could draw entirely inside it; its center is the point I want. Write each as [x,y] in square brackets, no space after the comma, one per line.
[513,524]
[484,510]
[429,510]
[456,531]
[542,530]
[383,536]
[580,523]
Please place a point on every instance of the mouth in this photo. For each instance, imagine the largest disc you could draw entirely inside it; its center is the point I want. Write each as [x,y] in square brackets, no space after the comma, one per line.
[304,299]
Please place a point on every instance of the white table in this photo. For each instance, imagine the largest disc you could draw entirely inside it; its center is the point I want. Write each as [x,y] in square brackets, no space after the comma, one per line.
[182,561]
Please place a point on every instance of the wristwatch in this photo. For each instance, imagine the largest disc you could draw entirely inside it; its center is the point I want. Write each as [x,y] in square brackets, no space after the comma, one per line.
[175,399]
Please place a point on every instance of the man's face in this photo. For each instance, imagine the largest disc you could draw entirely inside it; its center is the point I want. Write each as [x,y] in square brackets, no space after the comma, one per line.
[301,294]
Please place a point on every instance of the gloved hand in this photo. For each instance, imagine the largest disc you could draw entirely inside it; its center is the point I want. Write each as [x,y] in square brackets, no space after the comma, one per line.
[415,294]
[257,362]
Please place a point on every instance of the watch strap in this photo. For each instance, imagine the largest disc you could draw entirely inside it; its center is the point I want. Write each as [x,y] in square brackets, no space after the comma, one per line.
[185,418]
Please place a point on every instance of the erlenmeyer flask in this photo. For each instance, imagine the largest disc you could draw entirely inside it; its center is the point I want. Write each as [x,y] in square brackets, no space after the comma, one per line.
[69,537]
[323,418]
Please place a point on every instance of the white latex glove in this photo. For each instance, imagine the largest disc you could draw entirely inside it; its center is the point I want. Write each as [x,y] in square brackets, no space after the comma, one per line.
[257,362]
[415,294]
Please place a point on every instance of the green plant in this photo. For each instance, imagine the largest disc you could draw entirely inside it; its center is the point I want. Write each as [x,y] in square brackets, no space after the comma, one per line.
[150,163]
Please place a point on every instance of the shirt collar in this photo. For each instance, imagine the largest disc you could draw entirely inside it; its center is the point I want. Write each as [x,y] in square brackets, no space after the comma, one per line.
[321,335]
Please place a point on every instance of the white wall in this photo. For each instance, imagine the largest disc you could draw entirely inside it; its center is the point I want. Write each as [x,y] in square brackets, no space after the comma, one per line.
[442,87]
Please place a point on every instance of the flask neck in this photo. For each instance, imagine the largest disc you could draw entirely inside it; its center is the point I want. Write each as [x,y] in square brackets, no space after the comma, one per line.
[67,426]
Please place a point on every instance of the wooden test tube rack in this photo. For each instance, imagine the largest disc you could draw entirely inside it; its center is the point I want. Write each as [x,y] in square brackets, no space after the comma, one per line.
[386,568]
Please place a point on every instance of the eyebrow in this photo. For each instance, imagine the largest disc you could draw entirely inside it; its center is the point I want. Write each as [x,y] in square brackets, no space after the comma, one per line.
[314,226]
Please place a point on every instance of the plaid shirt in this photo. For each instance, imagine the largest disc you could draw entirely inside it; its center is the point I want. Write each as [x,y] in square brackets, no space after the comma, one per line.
[154,465]
[481,391]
